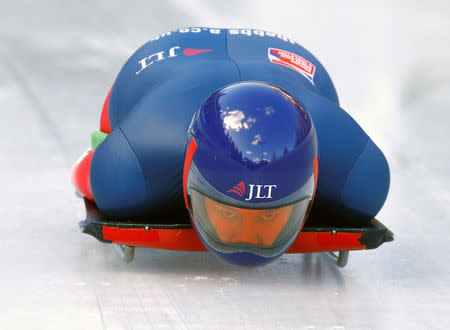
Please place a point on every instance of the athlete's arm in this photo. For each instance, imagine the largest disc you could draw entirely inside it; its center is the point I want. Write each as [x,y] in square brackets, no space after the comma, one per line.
[353,172]
[81,169]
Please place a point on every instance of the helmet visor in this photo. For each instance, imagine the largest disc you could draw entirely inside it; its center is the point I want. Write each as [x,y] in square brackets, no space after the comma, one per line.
[264,231]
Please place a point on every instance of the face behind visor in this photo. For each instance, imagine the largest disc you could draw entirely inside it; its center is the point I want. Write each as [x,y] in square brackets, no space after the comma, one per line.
[243,233]
[265,232]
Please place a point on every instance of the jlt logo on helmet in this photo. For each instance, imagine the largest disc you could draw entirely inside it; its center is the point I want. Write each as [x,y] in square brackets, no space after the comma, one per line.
[257,191]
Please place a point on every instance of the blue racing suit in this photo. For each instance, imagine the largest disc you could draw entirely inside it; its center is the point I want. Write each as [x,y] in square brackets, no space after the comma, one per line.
[138,168]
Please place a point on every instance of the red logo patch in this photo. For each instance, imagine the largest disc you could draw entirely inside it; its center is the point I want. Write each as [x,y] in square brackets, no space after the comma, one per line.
[238,189]
[193,51]
[293,61]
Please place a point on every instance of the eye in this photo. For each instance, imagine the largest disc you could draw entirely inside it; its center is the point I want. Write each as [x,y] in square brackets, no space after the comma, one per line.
[268,217]
[227,213]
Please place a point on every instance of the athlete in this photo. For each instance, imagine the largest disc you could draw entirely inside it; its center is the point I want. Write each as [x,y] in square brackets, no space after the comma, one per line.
[230,128]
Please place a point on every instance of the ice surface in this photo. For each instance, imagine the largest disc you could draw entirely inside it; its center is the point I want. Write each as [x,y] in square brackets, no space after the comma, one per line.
[391,65]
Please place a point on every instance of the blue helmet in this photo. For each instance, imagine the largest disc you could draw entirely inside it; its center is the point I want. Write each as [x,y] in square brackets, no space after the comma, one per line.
[250,172]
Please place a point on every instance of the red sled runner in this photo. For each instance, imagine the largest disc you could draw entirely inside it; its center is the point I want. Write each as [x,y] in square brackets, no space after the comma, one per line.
[128,233]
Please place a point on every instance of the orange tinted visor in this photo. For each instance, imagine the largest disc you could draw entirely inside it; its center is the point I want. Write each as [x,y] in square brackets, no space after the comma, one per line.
[247,226]
[229,228]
